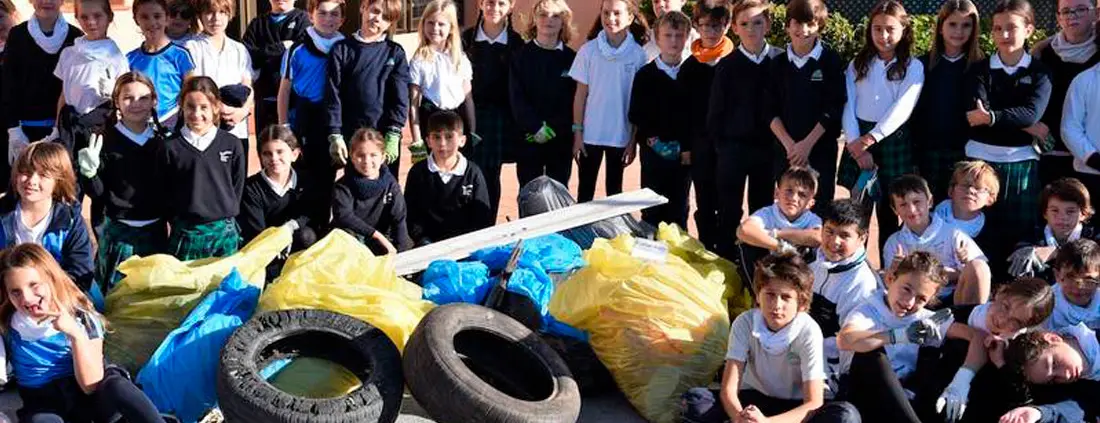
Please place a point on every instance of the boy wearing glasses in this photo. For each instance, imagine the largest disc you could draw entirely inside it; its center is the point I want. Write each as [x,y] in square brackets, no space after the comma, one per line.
[974,186]
[1067,54]
[1077,293]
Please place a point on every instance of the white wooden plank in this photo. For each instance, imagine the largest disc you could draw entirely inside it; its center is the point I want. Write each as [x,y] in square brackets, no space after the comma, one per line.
[460,247]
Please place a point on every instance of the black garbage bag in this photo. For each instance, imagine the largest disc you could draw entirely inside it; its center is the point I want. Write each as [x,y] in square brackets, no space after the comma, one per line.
[545,194]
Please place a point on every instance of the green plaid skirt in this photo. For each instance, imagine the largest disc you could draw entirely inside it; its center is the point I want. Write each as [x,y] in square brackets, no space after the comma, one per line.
[493,125]
[893,156]
[937,166]
[191,241]
[119,241]
[1017,207]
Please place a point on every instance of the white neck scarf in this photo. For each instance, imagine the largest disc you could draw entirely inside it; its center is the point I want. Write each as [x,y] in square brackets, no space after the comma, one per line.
[1074,53]
[777,342]
[1048,234]
[52,43]
[31,330]
[322,43]
[781,219]
[610,52]
[909,238]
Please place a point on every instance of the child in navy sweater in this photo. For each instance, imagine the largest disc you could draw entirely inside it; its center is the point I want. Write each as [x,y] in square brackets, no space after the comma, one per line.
[939,120]
[267,39]
[807,98]
[367,200]
[541,94]
[446,193]
[368,83]
[664,132]
[201,170]
[278,195]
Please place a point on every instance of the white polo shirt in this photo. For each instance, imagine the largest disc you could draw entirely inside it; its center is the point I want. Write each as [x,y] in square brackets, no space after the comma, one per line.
[81,67]
[938,238]
[609,74]
[971,227]
[231,65]
[875,316]
[772,218]
[877,99]
[1068,314]
[439,80]
[776,363]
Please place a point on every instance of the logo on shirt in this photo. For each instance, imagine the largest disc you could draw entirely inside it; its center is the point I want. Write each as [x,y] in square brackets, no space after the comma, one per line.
[1026,80]
[817,76]
[391,62]
[468,190]
[292,25]
[388,198]
[793,359]
[225,155]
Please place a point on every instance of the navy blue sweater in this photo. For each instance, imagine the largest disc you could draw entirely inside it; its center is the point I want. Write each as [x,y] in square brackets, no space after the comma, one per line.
[368,87]
[659,107]
[805,97]
[363,206]
[202,186]
[490,63]
[439,210]
[264,41]
[1017,101]
[122,183]
[697,79]
[30,90]
[737,107]
[939,119]
[542,91]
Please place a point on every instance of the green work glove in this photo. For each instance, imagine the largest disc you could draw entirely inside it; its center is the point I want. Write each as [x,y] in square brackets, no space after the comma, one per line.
[419,151]
[393,147]
[544,134]
[338,149]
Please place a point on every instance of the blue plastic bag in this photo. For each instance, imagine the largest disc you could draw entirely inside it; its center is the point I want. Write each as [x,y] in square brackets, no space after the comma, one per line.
[448,281]
[554,253]
[179,377]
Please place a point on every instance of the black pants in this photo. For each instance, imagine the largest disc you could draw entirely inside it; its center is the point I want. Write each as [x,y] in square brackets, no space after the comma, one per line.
[589,169]
[671,179]
[993,392]
[704,168]
[823,160]
[267,112]
[316,162]
[701,405]
[552,159]
[62,401]
[874,388]
[736,163]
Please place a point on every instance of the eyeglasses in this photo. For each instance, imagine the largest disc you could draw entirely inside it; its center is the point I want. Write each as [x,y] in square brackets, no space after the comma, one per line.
[1075,13]
[1085,283]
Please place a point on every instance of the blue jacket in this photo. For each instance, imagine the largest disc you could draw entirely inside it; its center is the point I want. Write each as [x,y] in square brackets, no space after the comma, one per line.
[66,238]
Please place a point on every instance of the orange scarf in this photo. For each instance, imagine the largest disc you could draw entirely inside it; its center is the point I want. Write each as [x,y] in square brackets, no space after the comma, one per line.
[710,55]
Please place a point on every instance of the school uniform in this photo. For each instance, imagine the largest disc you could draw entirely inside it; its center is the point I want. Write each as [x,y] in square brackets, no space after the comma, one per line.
[265,203]
[839,287]
[805,92]
[264,40]
[1067,314]
[364,206]
[938,239]
[232,65]
[87,70]
[491,60]
[737,123]
[445,204]
[29,100]
[1075,401]
[971,228]
[1080,128]
[368,87]
[773,218]
[609,74]
[202,177]
[660,112]
[776,364]
[305,67]
[166,68]
[652,51]
[5,167]
[42,360]
[63,233]
[131,199]
[881,107]
[1065,61]
[541,91]
[697,74]
[939,120]
[1016,96]
[441,83]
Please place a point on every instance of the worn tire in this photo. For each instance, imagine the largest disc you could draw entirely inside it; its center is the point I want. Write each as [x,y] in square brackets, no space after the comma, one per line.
[244,396]
[467,363]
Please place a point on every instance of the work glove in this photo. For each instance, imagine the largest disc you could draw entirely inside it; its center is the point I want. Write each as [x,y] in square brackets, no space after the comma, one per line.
[785,247]
[1024,262]
[419,151]
[338,149]
[952,403]
[923,331]
[87,159]
[668,150]
[17,141]
[292,225]
[543,135]
[393,147]
[105,85]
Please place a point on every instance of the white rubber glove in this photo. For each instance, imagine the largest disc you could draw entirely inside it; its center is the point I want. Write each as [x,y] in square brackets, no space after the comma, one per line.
[1024,262]
[338,149]
[953,400]
[17,141]
[785,247]
[292,225]
[88,157]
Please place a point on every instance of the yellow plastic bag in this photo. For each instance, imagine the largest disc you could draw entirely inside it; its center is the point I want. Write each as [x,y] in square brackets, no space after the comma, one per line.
[712,266]
[159,291]
[339,274]
[660,328]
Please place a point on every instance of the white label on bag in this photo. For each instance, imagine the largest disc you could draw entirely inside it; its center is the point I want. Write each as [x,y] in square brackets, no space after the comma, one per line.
[655,251]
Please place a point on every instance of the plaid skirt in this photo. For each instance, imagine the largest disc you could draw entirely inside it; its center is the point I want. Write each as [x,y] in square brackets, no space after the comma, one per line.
[893,156]
[119,241]
[190,241]
[1017,207]
[496,147]
[937,166]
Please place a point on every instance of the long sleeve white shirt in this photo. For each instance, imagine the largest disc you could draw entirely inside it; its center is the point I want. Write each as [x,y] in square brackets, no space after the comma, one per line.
[877,99]
[1081,118]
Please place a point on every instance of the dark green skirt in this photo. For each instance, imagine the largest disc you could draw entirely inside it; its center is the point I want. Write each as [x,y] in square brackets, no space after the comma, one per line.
[119,241]
[191,241]
[1017,207]
[493,125]
[937,165]
[893,156]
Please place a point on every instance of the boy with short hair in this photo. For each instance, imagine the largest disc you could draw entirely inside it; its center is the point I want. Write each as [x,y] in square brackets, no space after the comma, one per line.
[788,223]
[737,122]
[974,186]
[843,278]
[1069,357]
[446,194]
[267,39]
[968,269]
[1077,292]
[663,131]
[807,95]
[660,8]
[368,83]
[774,366]
[1066,209]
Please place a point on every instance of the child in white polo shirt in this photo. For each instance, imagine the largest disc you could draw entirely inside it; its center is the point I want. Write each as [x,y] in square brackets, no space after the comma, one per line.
[224,60]
[786,225]
[774,367]
[1077,293]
